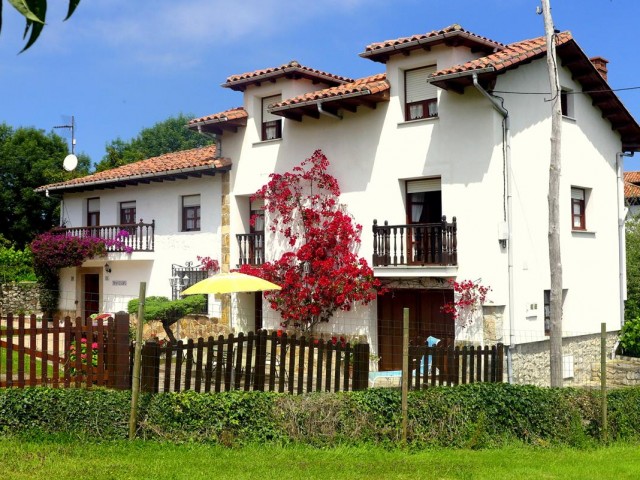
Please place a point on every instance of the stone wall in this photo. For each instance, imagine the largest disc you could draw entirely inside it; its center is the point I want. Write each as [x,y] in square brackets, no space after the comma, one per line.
[19,298]
[531,360]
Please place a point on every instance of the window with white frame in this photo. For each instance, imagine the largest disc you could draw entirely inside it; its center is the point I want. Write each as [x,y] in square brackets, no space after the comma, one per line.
[578,208]
[191,213]
[271,124]
[420,97]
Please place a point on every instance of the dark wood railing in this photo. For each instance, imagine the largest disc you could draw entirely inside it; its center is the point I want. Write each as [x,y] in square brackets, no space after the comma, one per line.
[251,248]
[415,244]
[121,238]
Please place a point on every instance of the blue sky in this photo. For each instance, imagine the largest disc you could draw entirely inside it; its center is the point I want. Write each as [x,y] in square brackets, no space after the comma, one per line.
[119,66]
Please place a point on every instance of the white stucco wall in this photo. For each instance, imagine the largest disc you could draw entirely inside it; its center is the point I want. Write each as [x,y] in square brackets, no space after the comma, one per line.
[372,152]
[156,201]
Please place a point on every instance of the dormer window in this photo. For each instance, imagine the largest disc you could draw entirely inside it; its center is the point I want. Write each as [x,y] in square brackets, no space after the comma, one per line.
[271,124]
[421,98]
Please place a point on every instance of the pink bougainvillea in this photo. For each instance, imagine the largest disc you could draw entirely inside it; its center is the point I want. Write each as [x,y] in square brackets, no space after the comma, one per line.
[321,271]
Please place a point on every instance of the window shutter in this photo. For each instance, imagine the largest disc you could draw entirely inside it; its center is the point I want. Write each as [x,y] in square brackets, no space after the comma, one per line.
[266,101]
[416,86]
[191,201]
[93,205]
[257,204]
[577,194]
[424,185]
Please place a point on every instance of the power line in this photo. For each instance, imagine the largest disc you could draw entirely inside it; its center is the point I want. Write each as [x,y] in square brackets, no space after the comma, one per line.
[587,92]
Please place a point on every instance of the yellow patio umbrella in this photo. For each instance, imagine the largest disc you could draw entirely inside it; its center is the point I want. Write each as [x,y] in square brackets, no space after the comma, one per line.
[233,282]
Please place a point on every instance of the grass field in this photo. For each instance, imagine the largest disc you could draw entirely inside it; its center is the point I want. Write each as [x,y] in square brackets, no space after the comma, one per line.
[27,360]
[149,460]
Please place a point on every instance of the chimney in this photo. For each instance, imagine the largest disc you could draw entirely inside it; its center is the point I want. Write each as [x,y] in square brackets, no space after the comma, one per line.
[601,65]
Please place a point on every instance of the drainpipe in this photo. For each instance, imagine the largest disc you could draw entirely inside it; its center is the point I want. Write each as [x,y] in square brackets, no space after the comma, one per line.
[215,138]
[622,253]
[507,140]
[328,114]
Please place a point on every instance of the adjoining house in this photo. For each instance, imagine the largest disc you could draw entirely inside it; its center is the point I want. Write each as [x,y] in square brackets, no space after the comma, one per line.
[632,193]
[443,157]
[165,209]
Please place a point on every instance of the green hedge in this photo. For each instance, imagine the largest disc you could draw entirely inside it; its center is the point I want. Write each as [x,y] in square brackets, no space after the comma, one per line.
[468,416]
[169,311]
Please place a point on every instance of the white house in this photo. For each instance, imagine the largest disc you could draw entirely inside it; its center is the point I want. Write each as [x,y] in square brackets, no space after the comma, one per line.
[443,157]
[169,207]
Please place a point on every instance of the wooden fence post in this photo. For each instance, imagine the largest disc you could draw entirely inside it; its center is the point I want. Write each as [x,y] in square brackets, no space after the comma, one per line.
[150,367]
[121,371]
[360,367]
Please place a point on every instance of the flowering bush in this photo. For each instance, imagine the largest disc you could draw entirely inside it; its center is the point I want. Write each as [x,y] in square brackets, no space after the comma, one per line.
[84,357]
[321,272]
[468,295]
[207,264]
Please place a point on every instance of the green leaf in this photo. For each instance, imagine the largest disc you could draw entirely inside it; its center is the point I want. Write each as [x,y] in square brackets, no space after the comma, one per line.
[72,8]
[28,9]
[35,28]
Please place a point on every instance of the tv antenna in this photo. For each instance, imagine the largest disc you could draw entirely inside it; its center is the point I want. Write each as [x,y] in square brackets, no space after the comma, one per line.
[70,161]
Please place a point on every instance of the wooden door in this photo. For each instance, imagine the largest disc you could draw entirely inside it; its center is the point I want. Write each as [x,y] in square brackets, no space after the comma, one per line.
[91,290]
[425,319]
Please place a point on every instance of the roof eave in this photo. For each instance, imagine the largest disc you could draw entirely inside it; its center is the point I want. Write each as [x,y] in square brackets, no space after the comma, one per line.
[134,178]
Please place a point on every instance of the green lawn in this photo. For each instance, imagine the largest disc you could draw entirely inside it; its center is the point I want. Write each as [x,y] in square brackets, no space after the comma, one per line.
[150,460]
[27,367]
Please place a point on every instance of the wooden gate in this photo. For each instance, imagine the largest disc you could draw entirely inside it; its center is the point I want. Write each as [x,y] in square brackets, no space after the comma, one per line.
[64,353]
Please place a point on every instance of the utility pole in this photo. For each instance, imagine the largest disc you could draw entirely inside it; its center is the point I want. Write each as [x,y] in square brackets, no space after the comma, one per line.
[555,261]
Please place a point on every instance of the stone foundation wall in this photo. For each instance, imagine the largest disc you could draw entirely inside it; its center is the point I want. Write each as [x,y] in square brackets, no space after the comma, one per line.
[531,360]
[19,298]
[191,326]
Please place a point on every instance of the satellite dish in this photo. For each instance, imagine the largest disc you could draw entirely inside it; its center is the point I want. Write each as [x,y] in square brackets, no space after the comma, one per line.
[70,162]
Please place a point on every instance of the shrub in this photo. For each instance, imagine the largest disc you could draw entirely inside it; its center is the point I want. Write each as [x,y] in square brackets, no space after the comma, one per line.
[168,311]
[467,416]
[630,337]
[16,265]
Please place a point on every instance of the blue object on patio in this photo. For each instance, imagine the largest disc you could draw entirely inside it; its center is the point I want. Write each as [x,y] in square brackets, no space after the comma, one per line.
[391,374]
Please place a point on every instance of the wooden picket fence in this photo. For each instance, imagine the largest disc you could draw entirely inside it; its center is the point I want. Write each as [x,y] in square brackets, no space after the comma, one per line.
[255,361]
[63,353]
[455,365]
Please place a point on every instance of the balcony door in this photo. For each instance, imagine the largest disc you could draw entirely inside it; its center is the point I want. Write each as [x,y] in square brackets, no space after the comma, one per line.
[424,215]
[425,319]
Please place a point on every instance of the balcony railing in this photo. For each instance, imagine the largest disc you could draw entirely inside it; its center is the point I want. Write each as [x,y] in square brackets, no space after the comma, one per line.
[251,248]
[138,238]
[418,244]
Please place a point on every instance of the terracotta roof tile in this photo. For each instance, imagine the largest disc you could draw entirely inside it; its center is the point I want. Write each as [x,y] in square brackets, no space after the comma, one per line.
[227,115]
[509,56]
[390,47]
[184,161]
[631,190]
[632,177]
[237,82]
[367,86]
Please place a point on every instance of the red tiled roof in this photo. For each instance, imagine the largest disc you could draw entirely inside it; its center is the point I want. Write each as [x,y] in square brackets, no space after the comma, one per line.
[366,86]
[227,115]
[293,68]
[380,51]
[509,56]
[632,177]
[185,162]
[631,190]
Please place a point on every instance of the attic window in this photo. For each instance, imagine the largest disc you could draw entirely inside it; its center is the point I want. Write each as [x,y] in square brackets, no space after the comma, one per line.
[420,97]
[566,102]
[271,124]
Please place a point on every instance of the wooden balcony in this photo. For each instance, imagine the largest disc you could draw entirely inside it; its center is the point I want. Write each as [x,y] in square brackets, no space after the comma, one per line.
[418,244]
[137,237]
[251,248]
